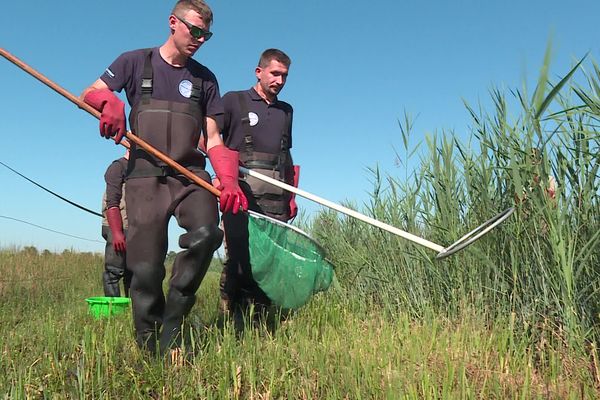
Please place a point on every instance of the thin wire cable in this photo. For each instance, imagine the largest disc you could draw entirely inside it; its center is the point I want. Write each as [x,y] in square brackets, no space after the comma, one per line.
[51,230]
[51,192]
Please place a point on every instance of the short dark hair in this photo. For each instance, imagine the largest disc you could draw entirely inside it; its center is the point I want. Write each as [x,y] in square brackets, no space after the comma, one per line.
[195,5]
[273,54]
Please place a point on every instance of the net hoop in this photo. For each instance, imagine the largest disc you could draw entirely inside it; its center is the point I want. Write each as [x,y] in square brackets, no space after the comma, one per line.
[299,231]
[286,263]
[278,222]
[475,234]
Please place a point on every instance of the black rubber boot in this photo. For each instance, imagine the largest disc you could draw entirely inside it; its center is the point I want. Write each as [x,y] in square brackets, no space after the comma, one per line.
[189,269]
[240,314]
[147,342]
[127,282]
[110,281]
[177,308]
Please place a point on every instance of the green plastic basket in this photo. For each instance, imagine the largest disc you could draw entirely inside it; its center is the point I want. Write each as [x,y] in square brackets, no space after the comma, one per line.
[102,307]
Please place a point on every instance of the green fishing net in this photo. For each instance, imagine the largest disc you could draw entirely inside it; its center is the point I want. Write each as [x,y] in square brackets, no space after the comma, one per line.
[287,264]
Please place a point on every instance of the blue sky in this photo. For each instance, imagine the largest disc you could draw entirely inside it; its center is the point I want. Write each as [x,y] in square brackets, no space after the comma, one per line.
[356,67]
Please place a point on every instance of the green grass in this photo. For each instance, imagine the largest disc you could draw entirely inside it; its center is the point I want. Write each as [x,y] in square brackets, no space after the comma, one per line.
[334,348]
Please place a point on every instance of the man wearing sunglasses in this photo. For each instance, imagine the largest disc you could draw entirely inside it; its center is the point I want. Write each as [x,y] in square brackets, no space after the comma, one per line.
[259,126]
[175,106]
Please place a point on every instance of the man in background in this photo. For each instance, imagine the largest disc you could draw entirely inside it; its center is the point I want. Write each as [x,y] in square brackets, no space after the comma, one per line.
[114,229]
[259,126]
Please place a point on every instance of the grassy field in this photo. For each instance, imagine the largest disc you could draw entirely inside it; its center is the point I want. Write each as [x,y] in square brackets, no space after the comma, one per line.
[514,316]
[333,348]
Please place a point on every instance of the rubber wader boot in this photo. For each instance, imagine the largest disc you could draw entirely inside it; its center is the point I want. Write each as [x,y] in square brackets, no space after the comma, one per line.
[110,280]
[147,342]
[176,309]
[189,269]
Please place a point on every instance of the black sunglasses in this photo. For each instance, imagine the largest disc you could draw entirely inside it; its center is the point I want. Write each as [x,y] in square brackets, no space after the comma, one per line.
[196,31]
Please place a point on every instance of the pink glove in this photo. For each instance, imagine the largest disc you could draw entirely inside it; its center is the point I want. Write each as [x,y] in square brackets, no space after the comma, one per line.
[294,182]
[112,119]
[113,215]
[225,163]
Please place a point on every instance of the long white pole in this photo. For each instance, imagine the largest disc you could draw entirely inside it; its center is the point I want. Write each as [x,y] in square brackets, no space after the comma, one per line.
[344,210]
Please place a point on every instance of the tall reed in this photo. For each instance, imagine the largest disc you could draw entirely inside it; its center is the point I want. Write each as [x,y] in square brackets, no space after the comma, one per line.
[541,264]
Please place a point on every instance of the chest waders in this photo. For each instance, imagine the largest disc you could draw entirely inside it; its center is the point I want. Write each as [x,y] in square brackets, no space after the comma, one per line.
[154,194]
[238,287]
[271,200]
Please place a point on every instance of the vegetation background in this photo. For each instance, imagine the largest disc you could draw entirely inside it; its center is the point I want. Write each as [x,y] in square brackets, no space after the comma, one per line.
[513,316]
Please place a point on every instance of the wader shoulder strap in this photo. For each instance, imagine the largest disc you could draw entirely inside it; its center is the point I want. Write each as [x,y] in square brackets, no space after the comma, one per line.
[147,77]
[248,144]
[284,160]
[285,135]
[145,97]
[197,94]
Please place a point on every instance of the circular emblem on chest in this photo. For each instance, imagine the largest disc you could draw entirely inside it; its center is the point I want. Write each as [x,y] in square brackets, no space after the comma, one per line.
[253,118]
[185,88]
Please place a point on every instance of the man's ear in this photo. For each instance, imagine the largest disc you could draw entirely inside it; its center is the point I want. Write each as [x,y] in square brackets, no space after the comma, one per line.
[172,22]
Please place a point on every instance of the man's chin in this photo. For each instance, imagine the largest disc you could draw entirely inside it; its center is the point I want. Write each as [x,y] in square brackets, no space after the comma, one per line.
[190,51]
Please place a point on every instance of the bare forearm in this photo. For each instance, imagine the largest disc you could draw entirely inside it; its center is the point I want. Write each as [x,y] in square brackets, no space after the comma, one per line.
[99,84]
[213,137]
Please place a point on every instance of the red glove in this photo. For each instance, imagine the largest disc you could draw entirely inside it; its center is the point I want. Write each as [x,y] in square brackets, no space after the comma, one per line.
[294,182]
[225,163]
[112,120]
[113,215]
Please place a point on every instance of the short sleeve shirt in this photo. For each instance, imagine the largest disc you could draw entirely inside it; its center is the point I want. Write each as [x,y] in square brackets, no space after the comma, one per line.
[267,122]
[168,82]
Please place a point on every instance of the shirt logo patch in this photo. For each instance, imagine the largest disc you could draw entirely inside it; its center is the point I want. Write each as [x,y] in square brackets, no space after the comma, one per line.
[109,72]
[253,118]
[185,88]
